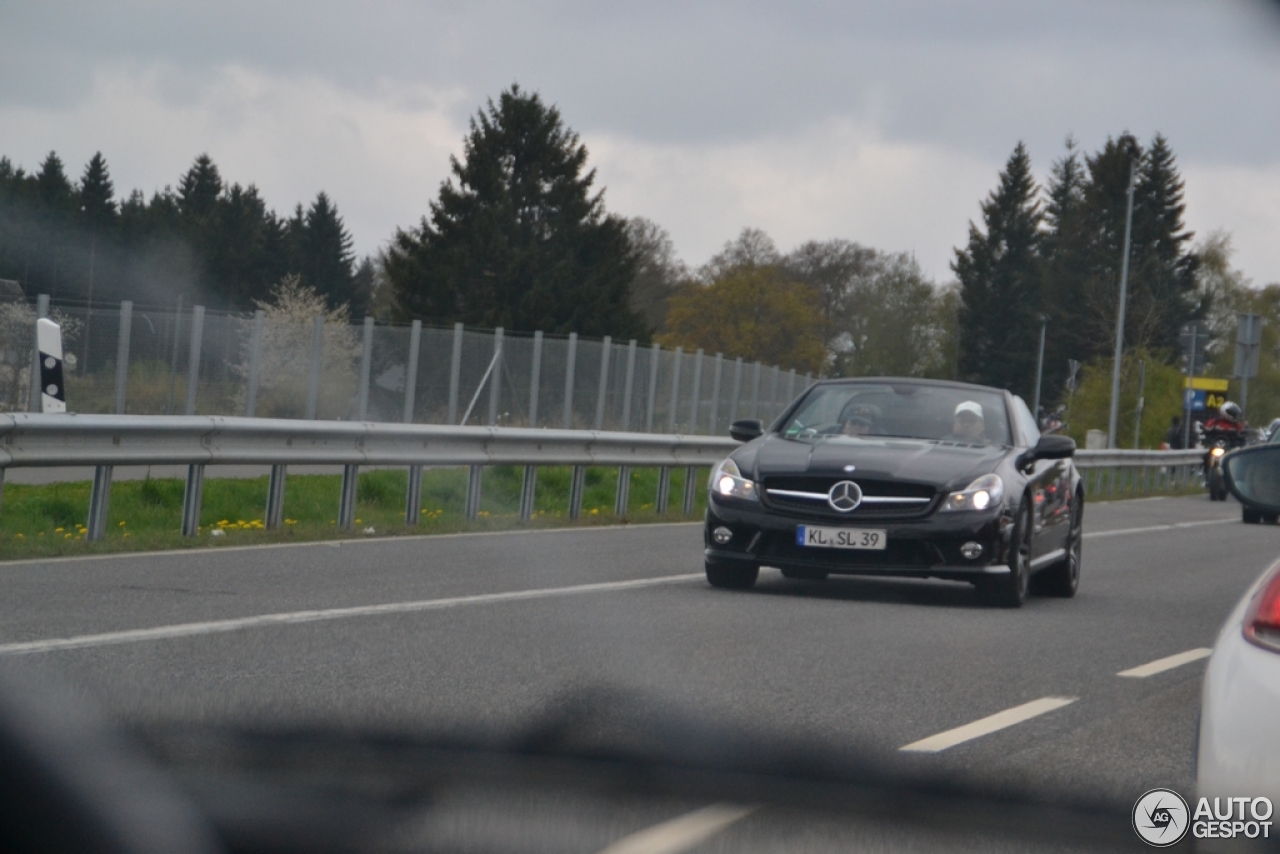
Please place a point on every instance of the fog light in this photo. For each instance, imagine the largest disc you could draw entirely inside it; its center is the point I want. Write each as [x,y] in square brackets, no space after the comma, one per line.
[971,550]
[722,535]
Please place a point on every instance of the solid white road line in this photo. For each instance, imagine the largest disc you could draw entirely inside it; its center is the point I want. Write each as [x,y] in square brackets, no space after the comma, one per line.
[1174,526]
[1160,665]
[182,630]
[680,834]
[987,725]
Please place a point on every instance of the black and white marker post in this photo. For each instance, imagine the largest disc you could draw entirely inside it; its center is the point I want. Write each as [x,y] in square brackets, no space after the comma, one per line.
[53,394]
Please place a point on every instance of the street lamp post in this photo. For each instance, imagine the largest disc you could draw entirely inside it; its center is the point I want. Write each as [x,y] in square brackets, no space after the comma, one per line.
[1124,294]
[1035,407]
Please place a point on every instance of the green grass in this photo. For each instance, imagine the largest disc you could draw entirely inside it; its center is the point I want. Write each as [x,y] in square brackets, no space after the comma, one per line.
[144,515]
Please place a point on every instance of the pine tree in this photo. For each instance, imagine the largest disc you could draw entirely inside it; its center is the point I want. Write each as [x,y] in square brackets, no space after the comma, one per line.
[1064,298]
[199,189]
[516,238]
[321,253]
[1000,277]
[97,196]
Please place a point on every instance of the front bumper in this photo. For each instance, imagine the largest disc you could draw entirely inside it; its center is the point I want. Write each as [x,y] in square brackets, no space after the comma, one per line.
[927,547]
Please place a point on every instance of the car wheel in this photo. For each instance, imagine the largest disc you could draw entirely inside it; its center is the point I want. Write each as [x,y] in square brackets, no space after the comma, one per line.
[1010,591]
[732,576]
[1270,518]
[797,574]
[1062,579]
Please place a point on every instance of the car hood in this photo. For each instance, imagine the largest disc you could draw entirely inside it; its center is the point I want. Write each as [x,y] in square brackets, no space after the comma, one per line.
[941,464]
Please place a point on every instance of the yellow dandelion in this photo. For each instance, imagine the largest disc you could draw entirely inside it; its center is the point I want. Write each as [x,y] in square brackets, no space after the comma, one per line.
[127,534]
[66,536]
[59,530]
[20,536]
[359,521]
[120,523]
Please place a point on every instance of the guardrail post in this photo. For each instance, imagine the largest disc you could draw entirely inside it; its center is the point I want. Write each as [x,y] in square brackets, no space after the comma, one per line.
[577,485]
[455,373]
[622,496]
[528,488]
[535,378]
[791,385]
[413,496]
[571,364]
[99,499]
[628,386]
[275,498]
[602,391]
[313,379]
[773,393]
[655,356]
[366,365]
[33,396]
[690,489]
[675,391]
[697,391]
[255,363]
[474,475]
[122,355]
[192,497]
[663,498]
[495,379]
[411,371]
[193,358]
[714,422]
[347,501]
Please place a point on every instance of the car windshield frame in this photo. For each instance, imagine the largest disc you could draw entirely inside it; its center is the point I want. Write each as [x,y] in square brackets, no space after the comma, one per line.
[935,405]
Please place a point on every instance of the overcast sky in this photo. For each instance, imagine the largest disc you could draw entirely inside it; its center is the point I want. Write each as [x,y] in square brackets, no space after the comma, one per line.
[882,123]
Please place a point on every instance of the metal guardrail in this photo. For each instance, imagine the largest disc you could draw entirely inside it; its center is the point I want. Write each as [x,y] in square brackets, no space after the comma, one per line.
[105,441]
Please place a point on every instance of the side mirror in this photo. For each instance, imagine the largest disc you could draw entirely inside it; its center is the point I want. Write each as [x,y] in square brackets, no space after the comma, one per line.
[746,429]
[1050,447]
[1253,476]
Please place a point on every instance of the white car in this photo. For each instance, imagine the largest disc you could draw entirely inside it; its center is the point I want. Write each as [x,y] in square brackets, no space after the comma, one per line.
[1239,750]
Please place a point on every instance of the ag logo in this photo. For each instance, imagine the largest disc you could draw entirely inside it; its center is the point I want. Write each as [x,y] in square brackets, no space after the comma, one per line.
[1160,818]
[845,496]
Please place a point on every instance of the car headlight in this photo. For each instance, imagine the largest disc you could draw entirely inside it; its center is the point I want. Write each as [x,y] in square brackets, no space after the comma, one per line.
[984,493]
[727,481]
[1217,452]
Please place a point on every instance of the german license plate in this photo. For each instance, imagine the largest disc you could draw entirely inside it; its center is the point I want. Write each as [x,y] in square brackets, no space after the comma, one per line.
[813,536]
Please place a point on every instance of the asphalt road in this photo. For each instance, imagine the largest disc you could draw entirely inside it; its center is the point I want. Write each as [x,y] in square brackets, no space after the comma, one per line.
[495,630]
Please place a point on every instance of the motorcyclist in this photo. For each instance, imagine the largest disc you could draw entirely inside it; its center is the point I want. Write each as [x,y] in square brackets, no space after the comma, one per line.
[1228,424]
[1222,433]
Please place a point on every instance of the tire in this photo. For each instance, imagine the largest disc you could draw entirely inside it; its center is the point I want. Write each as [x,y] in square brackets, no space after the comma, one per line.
[1010,591]
[1250,516]
[1062,579]
[1270,518]
[732,576]
[797,574]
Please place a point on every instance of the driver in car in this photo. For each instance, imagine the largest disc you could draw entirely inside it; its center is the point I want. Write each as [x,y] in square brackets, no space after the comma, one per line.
[857,419]
[968,424]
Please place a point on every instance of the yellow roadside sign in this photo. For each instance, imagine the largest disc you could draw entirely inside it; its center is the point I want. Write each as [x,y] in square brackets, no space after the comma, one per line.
[1206,384]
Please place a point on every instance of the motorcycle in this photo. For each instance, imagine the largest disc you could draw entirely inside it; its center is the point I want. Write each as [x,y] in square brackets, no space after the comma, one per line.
[1217,444]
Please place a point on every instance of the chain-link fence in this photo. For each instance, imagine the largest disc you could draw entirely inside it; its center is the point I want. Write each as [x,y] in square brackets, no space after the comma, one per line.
[152,362]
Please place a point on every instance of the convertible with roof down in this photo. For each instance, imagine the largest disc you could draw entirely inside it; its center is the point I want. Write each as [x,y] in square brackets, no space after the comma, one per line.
[900,477]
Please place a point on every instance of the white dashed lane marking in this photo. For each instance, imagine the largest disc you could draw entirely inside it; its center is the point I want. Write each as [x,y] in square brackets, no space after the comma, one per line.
[680,834]
[987,725]
[1160,665]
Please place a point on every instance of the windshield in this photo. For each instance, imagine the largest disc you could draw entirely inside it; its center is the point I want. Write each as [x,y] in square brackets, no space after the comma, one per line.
[906,410]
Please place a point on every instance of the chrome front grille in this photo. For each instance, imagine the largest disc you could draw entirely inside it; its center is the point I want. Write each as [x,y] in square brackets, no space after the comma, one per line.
[807,496]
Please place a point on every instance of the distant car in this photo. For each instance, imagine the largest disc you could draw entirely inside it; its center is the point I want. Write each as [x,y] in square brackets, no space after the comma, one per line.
[902,478]
[1239,741]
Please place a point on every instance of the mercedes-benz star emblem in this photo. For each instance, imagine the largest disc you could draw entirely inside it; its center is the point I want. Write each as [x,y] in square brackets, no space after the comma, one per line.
[845,496]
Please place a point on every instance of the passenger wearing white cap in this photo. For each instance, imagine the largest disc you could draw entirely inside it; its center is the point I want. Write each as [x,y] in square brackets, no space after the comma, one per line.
[968,423]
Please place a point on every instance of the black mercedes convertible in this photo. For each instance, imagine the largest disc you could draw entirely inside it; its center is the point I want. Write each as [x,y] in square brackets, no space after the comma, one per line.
[900,477]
